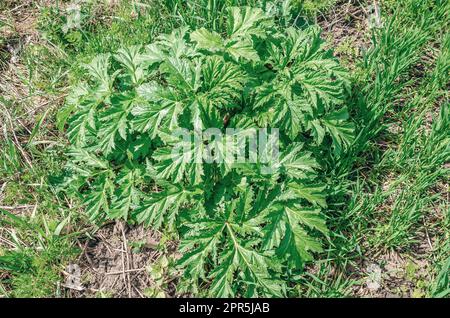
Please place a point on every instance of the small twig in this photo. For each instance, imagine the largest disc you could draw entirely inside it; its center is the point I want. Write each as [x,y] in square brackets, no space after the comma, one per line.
[362,7]
[85,254]
[12,233]
[114,283]
[126,275]
[119,294]
[24,126]
[73,287]
[33,214]
[17,207]
[137,291]
[428,237]
[19,6]
[107,244]
[51,101]
[123,268]
[7,242]
[126,271]
[2,189]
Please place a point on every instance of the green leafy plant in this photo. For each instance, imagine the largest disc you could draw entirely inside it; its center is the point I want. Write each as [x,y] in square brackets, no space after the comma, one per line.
[245,228]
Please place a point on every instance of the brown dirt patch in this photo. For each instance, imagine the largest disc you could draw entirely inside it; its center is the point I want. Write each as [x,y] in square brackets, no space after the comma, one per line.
[345,28]
[117,263]
[396,275]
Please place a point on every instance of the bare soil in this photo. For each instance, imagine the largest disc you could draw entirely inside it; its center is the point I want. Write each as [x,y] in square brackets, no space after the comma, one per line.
[109,266]
[346,29]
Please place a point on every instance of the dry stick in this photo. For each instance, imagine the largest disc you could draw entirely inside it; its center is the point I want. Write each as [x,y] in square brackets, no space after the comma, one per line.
[139,278]
[114,283]
[123,269]
[144,283]
[353,14]
[24,126]
[25,3]
[42,105]
[107,244]
[2,196]
[137,290]
[3,187]
[7,242]
[119,294]
[125,244]
[33,213]
[128,268]
[427,235]
[126,271]
[17,207]
[12,233]
[85,254]
[362,7]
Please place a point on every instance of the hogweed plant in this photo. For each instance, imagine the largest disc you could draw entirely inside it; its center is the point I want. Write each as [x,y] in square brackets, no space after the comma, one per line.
[220,137]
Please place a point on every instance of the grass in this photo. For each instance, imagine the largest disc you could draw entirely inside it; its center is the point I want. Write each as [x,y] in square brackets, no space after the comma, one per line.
[391,197]
[399,194]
